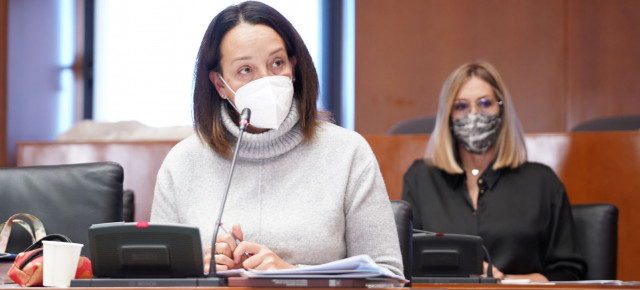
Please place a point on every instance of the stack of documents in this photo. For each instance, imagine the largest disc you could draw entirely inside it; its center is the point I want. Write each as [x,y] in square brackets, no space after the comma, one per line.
[356,271]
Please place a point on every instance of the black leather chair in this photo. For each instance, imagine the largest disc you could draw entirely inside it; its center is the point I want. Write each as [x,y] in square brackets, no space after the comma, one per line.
[617,123]
[418,125]
[596,231]
[404,223]
[128,205]
[66,198]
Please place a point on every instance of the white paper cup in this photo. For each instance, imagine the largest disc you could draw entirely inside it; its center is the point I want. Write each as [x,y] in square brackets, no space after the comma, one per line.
[60,261]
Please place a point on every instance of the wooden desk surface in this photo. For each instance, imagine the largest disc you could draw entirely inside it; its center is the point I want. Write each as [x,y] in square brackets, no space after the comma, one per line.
[415,286]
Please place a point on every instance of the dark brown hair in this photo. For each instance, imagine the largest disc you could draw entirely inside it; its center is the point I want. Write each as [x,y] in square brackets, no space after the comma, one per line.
[206,100]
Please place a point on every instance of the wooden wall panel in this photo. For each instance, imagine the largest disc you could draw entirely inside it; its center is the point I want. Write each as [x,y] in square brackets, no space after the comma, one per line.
[564,62]
[603,59]
[405,49]
[4,20]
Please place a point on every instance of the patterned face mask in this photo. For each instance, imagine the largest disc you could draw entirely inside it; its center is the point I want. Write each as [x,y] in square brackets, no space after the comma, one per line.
[477,133]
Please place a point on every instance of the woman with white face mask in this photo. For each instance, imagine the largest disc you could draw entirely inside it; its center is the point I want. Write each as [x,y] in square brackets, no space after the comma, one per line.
[476,180]
[304,191]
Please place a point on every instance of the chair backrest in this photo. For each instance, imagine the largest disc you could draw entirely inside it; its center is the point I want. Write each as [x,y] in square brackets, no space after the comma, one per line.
[596,231]
[404,223]
[68,199]
[128,205]
[617,123]
[418,125]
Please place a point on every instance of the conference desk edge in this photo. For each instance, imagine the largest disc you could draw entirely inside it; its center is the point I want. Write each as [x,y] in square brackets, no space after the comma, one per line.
[415,286]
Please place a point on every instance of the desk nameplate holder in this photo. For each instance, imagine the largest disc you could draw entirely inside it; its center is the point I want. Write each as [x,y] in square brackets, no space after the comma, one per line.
[148,282]
[454,280]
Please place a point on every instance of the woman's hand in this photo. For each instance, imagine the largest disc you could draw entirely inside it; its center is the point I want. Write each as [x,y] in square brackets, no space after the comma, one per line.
[533,277]
[225,246]
[246,255]
[259,257]
[495,271]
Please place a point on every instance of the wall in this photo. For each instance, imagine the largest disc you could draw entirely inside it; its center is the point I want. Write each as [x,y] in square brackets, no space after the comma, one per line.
[3,82]
[38,100]
[564,62]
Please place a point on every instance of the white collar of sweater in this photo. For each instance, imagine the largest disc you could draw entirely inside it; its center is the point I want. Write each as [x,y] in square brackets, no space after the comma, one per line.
[269,144]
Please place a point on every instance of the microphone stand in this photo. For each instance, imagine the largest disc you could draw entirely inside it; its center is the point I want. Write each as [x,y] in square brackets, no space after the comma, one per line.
[213,277]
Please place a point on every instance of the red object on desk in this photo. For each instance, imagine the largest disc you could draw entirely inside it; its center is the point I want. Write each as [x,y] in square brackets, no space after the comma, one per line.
[27,268]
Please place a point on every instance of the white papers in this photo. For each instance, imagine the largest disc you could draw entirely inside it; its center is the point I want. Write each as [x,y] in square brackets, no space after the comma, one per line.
[515,281]
[578,282]
[361,266]
[596,282]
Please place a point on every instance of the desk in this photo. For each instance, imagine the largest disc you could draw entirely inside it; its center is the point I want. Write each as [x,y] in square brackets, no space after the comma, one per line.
[516,286]
[418,286]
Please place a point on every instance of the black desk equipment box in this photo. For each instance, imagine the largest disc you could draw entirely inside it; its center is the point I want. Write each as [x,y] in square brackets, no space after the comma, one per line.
[141,254]
[448,258]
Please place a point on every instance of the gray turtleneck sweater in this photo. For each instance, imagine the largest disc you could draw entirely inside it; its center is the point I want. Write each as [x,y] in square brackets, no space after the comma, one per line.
[309,202]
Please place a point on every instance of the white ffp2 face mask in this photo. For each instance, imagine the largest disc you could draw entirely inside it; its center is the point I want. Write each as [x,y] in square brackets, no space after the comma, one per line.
[269,99]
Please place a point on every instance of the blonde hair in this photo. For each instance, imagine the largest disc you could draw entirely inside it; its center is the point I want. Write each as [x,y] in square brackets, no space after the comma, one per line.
[441,149]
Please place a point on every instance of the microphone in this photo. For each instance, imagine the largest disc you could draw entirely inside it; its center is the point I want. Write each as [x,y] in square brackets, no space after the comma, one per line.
[245,116]
[244,123]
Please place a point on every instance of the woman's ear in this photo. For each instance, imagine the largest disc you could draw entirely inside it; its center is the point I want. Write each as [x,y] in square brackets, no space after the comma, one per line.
[214,77]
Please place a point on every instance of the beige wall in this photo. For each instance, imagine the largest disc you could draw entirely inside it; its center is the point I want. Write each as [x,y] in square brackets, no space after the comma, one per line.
[564,62]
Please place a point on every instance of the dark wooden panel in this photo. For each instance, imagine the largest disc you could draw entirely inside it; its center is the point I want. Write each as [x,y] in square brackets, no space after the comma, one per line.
[405,49]
[603,59]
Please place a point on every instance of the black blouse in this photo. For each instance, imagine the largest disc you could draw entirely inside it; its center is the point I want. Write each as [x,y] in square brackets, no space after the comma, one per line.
[523,216]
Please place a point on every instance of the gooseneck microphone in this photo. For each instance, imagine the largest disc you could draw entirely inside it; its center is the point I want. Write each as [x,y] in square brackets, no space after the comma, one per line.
[245,116]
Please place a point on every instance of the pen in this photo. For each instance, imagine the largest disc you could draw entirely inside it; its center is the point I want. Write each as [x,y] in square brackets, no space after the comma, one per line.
[227,232]
[234,237]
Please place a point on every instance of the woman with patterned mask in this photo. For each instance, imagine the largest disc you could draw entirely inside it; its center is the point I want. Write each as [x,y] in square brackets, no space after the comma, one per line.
[475,179]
